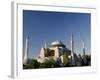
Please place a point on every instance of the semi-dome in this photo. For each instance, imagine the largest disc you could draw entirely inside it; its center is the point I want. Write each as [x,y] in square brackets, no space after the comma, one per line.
[57,43]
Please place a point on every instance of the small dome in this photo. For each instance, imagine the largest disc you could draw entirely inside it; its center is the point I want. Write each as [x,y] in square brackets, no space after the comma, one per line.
[57,43]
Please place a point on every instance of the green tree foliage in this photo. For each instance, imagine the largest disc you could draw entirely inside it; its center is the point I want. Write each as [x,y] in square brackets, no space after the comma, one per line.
[32,64]
[48,63]
[84,60]
[87,59]
[65,60]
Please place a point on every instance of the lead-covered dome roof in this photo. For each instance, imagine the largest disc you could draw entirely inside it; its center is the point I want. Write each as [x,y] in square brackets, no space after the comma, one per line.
[57,43]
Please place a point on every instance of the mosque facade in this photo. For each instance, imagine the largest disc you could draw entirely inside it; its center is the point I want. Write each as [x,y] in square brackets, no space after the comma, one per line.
[56,50]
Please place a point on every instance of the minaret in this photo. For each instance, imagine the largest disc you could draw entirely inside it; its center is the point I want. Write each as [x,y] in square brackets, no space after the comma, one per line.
[72,51]
[83,47]
[26,50]
[84,58]
[45,45]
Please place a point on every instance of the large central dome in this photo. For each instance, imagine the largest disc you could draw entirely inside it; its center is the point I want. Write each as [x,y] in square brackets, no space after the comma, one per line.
[57,43]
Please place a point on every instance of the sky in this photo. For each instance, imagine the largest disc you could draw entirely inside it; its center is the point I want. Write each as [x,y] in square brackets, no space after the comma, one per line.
[49,26]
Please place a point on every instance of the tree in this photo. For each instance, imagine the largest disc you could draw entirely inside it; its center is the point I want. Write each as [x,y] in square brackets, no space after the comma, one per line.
[34,63]
[79,60]
[87,60]
[48,63]
[65,60]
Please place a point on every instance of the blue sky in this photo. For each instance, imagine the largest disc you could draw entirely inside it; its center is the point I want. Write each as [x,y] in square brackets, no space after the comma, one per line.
[50,26]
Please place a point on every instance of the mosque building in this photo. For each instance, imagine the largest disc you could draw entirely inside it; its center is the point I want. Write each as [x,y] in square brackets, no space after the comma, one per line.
[56,50]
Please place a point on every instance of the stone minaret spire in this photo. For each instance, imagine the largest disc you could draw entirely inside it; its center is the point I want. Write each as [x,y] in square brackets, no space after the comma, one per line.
[83,47]
[84,58]
[26,52]
[45,45]
[72,50]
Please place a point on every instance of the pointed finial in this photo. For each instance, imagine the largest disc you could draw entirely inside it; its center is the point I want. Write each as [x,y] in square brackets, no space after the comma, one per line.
[72,37]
